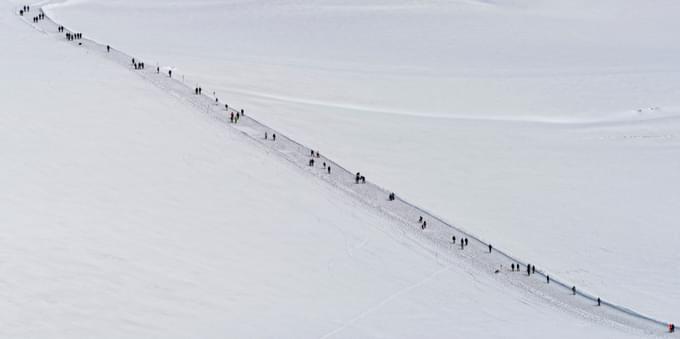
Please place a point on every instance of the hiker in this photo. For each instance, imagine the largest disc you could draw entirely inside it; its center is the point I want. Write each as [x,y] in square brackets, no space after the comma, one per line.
[274,139]
[170,73]
[196,91]
[528,270]
[311,162]
[317,154]
[466,241]
[391,197]
[311,153]
[363,179]
[231,117]
[357,177]
[243,112]
[108,48]
[21,12]
[453,240]
[547,279]
[573,290]
[599,302]
[265,135]
[324,164]
[420,219]
[158,70]
[512,267]
[490,247]
[671,328]
[329,170]
[424,224]
[533,269]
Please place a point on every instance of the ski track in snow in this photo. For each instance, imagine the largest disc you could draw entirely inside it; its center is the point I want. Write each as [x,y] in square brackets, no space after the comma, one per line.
[434,241]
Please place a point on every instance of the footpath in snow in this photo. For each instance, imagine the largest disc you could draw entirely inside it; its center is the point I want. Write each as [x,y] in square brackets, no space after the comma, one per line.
[436,236]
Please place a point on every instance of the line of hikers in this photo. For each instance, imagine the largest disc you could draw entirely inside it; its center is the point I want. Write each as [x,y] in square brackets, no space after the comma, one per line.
[234,118]
[315,154]
[40,16]
[60,29]
[74,36]
[135,63]
[24,9]
[358,178]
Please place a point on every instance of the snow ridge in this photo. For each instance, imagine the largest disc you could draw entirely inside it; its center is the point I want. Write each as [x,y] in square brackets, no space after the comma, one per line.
[435,239]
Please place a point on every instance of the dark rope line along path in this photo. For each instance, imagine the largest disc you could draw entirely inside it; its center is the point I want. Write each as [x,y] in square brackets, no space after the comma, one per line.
[435,239]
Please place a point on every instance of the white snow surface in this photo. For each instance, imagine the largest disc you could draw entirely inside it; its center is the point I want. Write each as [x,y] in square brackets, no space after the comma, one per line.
[127,212]
[549,128]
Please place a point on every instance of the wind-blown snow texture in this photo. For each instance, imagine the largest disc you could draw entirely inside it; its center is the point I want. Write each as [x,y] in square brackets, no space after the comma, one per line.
[351,326]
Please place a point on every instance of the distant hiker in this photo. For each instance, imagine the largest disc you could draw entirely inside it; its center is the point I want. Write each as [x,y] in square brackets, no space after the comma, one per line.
[357,177]
[274,139]
[133,60]
[108,48]
[158,70]
[317,154]
[528,270]
[243,112]
[490,247]
[170,73]
[420,219]
[599,302]
[196,91]
[329,170]
[547,279]
[533,269]
[466,241]
[453,239]
[391,196]
[265,135]
[311,153]
[573,290]
[671,328]
[424,224]
[21,12]
[231,117]
[311,162]
[324,164]
[226,107]
[363,179]
[512,267]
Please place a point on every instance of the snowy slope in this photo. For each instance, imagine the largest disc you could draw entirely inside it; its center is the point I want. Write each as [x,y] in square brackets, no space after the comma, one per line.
[547,127]
[128,213]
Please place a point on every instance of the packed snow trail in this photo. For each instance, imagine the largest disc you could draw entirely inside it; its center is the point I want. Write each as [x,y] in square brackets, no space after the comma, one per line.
[436,238]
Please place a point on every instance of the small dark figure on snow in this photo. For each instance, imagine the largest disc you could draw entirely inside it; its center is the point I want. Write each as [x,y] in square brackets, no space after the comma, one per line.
[226,107]
[243,112]
[420,219]
[311,162]
[599,302]
[391,196]
[533,269]
[324,164]
[170,73]
[329,170]
[363,179]
[357,177]
[158,70]
[311,153]
[108,48]
[547,279]
[490,247]
[265,135]
[317,154]
[466,241]
[274,139]
[453,239]
[573,290]
[528,269]
[21,12]
[231,117]
[671,328]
